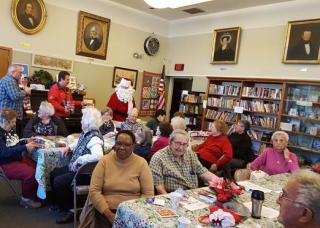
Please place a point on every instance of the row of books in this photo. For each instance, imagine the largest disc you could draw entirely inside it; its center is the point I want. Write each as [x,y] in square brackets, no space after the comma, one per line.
[191,98]
[260,106]
[191,109]
[259,135]
[260,92]
[191,120]
[268,122]
[223,102]
[224,90]
[217,115]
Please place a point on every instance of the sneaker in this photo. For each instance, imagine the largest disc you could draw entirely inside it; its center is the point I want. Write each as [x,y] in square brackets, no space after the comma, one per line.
[29,203]
[65,217]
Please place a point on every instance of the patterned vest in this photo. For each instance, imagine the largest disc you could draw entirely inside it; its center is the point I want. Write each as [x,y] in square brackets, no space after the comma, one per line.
[81,148]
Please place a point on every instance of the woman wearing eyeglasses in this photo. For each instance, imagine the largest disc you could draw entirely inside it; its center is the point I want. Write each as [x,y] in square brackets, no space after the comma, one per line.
[277,159]
[119,176]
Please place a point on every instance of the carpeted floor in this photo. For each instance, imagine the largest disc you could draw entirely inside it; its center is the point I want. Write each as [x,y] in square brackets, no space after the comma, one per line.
[13,215]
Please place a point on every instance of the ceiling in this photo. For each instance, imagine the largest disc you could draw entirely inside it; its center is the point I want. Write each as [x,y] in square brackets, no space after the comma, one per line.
[214,6]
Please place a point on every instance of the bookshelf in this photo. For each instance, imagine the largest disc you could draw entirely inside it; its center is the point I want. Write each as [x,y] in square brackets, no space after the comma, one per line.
[269,105]
[191,106]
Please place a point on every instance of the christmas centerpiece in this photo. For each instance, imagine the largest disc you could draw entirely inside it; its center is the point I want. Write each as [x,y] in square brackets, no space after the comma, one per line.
[225,189]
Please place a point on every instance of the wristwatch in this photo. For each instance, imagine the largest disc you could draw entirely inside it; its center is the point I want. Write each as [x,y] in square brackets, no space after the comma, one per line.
[151,45]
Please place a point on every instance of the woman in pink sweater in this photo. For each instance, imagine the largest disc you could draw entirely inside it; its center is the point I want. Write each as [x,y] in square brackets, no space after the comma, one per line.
[278,159]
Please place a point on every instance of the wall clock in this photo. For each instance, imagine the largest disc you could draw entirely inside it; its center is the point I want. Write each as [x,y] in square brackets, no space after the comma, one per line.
[151,45]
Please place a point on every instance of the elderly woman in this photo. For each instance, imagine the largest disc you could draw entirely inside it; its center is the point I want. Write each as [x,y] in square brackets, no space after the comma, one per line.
[165,130]
[107,126]
[45,123]
[216,151]
[131,123]
[88,149]
[278,159]
[143,142]
[119,176]
[14,165]
[178,122]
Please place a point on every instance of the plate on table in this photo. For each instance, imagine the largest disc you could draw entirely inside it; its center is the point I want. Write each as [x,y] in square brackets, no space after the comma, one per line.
[238,208]
[166,213]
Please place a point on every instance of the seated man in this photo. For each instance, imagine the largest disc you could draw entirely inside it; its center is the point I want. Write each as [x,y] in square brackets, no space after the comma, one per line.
[131,123]
[300,201]
[176,166]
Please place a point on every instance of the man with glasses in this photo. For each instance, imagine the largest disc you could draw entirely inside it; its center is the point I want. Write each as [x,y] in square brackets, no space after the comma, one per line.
[11,96]
[177,166]
[300,201]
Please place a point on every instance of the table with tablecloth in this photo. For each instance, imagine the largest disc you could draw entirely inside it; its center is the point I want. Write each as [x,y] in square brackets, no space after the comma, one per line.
[140,213]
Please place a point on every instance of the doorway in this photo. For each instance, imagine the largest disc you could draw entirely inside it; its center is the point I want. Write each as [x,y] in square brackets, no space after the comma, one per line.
[5,60]
[179,84]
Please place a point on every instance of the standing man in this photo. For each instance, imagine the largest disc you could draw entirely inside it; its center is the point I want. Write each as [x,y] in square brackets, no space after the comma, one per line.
[300,201]
[60,96]
[11,97]
[176,166]
[27,19]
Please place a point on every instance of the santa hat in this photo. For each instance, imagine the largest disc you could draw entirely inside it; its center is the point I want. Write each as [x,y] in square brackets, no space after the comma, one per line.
[125,83]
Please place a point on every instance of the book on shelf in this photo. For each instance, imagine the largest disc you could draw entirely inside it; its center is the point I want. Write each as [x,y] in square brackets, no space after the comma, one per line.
[258,92]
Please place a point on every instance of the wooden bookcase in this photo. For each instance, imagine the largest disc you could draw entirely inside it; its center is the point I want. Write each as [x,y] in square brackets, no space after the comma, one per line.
[269,105]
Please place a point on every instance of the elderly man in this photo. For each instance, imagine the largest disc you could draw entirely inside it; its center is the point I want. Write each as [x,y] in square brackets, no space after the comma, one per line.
[300,201]
[131,123]
[11,96]
[177,166]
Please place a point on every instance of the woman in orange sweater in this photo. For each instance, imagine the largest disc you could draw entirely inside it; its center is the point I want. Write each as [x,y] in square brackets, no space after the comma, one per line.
[216,151]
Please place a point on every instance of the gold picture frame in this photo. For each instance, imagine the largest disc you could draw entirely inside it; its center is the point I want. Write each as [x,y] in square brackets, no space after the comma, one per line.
[225,46]
[302,42]
[120,72]
[29,16]
[93,34]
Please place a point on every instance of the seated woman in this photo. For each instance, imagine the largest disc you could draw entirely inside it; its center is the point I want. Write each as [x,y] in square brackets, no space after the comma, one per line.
[108,125]
[241,146]
[143,142]
[45,123]
[153,123]
[12,161]
[88,149]
[107,190]
[278,159]
[165,130]
[178,122]
[131,123]
[216,151]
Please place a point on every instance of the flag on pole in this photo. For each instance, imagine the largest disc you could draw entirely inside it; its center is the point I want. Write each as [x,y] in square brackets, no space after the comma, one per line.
[161,90]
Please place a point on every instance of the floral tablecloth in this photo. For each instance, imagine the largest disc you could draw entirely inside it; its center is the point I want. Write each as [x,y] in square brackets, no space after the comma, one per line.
[139,213]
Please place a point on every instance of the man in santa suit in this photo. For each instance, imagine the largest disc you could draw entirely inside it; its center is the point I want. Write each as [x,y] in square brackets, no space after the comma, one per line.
[121,101]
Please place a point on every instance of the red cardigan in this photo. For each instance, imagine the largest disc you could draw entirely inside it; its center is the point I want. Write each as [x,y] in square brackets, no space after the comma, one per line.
[216,149]
[159,144]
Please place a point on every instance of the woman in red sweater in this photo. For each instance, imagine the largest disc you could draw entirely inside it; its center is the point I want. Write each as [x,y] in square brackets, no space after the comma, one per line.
[216,151]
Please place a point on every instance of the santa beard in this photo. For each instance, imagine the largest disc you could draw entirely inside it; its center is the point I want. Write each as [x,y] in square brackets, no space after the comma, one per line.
[126,96]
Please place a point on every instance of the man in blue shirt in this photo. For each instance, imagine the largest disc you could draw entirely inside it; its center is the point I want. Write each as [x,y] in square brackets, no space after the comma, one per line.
[11,96]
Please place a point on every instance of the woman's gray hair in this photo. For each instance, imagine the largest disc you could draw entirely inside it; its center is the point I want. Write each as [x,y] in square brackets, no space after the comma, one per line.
[91,118]
[178,132]
[285,134]
[145,136]
[308,190]
[46,108]
[178,123]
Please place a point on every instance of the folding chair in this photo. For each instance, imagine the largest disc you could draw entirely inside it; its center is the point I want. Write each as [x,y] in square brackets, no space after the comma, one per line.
[5,178]
[80,189]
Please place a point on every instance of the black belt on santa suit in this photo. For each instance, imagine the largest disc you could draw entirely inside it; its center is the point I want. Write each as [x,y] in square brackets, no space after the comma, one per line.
[120,113]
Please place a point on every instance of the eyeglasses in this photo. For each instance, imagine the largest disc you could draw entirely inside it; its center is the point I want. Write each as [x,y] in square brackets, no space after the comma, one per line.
[178,144]
[119,144]
[283,197]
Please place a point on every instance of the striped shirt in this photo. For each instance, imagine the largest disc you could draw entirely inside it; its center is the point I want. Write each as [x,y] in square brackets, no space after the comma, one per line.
[11,96]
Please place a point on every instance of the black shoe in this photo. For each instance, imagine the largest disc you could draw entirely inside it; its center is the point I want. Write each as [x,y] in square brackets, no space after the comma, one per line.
[65,217]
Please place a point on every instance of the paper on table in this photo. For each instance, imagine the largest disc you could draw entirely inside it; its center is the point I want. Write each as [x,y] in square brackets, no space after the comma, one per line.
[251,186]
[193,204]
[266,211]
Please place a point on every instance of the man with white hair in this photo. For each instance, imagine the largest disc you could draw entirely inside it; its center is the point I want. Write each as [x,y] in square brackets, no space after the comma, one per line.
[121,101]
[300,201]
[11,97]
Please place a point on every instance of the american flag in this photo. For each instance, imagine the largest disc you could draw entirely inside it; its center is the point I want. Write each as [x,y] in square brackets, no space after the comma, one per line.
[161,90]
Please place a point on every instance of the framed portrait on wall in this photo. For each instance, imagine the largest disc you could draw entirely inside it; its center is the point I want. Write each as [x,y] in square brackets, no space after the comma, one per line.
[120,72]
[225,46]
[29,15]
[302,42]
[92,37]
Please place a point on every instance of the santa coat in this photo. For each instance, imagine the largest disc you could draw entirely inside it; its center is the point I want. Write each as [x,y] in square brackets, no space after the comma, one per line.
[119,108]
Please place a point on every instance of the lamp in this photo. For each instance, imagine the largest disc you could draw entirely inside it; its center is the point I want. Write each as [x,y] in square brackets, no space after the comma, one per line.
[161,4]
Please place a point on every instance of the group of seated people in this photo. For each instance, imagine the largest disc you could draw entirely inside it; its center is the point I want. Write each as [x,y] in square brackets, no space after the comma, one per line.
[124,173]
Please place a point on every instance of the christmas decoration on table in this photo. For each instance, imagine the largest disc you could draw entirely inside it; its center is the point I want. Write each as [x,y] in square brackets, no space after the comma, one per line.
[225,189]
[316,168]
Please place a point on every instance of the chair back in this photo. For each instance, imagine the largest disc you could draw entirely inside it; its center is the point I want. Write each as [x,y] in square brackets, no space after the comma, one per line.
[6,179]
[242,174]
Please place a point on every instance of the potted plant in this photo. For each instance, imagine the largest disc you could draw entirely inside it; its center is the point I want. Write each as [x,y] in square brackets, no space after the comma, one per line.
[42,77]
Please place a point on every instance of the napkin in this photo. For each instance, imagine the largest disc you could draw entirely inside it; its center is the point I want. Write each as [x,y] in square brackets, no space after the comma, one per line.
[224,218]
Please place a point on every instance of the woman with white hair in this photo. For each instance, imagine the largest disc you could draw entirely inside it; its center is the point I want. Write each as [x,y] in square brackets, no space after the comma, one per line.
[45,123]
[277,159]
[178,122]
[88,149]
